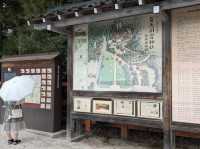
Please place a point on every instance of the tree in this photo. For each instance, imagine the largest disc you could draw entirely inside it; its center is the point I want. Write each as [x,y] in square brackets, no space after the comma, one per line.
[17,38]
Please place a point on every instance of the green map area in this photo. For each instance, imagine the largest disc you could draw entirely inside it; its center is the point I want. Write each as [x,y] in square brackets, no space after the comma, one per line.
[119,55]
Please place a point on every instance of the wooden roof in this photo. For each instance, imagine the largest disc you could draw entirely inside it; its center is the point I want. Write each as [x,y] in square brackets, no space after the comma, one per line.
[87,8]
[106,11]
[29,57]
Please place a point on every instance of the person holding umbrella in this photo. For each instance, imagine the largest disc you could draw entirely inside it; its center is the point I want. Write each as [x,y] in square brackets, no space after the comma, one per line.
[13,93]
[13,121]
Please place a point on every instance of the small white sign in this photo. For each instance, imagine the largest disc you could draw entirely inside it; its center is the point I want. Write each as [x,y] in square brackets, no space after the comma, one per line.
[48,88]
[44,76]
[49,70]
[22,71]
[48,82]
[43,94]
[156,9]
[140,2]
[48,100]
[27,71]
[49,76]
[82,104]
[48,94]
[48,106]
[38,70]
[42,106]
[43,100]
[43,88]
[44,70]
[150,109]
[32,70]
[124,107]
[44,82]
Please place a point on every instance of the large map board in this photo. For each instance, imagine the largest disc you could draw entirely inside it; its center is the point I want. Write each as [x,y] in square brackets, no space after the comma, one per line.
[119,55]
[186,65]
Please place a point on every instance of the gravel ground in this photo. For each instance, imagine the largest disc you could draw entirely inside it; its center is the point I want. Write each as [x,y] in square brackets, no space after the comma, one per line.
[137,141]
[33,141]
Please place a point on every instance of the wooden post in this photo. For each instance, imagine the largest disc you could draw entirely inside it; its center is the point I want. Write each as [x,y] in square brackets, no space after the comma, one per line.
[74,127]
[69,86]
[87,126]
[173,139]
[167,144]
[124,131]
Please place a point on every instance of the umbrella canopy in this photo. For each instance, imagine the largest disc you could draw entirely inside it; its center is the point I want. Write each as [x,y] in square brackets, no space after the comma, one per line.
[17,88]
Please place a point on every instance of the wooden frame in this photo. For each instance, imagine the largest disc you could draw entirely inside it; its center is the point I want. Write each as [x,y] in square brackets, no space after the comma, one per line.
[74,125]
[102,106]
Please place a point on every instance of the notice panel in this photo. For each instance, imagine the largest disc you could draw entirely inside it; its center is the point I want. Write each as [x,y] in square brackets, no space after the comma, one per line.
[186,65]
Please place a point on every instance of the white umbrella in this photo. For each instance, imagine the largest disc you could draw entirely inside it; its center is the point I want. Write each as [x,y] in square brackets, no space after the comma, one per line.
[17,88]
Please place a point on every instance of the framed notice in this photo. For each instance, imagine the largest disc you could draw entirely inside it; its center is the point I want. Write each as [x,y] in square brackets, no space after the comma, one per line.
[124,107]
[82,104]
[102,106]
[150,109]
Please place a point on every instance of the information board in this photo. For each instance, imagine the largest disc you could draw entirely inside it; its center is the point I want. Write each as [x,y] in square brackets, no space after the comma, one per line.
[119,55]
[186,65]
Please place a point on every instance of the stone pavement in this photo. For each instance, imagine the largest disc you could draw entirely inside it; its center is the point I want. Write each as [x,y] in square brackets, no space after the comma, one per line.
[35,141]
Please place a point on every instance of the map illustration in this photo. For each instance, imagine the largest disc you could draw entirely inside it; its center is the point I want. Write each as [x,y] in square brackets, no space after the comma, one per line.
[119,55]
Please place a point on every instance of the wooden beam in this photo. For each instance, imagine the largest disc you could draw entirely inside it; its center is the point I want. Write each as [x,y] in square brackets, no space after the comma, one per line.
[173,4]
[188,134]
[105,16]
[118,119]
[193,128]
[145,9]
[52,28]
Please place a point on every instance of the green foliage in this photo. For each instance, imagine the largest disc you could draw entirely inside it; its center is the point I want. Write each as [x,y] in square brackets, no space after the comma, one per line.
[25,39]
[34,8]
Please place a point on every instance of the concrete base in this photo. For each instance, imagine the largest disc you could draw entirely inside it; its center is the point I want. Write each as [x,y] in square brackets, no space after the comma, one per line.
[48,134]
